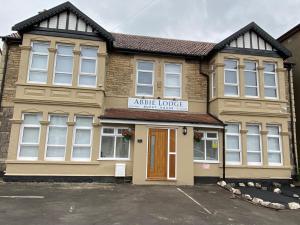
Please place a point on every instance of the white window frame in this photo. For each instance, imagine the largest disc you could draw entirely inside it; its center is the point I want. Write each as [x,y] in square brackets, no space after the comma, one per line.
[30,63]
[115,135]
[237,84]
[234,150]
[76,127]
[213,82]
[260,145]
[280,144]
[28,144]
[257,80]
[276,81]
[180,81]
[51,145]
[205,138]
[137,78]
[88,74]
[54,69]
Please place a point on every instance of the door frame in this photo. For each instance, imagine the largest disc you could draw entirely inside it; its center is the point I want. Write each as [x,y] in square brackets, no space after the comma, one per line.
[168,158]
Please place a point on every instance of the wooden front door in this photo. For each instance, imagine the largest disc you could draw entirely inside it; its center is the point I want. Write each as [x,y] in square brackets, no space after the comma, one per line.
[157,154]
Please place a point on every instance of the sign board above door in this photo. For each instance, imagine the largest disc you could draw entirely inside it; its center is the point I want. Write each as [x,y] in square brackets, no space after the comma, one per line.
[158,104]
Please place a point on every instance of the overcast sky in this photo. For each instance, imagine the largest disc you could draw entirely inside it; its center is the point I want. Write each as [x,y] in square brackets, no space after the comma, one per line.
[202,20]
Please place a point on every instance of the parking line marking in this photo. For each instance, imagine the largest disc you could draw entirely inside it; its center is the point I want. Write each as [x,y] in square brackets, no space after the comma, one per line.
[205,209]
[21,196]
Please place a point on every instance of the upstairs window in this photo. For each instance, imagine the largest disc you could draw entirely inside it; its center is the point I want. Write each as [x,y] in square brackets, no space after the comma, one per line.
[64,65]
[254,145]
[145,78]
[274,145]
[213,82]
[233,146]
[30,137]
[231,80]
[38,68]
[88,67]
[270,80]
[172,82]
[251,79]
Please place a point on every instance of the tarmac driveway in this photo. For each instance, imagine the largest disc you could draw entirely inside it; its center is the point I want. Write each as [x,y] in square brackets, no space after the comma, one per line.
[56,204]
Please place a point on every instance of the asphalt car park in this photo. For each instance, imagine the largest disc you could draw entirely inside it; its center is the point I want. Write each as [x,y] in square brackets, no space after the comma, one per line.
[68,203]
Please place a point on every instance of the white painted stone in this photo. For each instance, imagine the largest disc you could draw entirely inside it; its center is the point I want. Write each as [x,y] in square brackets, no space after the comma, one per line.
[247,197]
[294,205]
[257,200]
[263,203]
[258,185]
[242,185]
[221,183]
[277,191]
[236,191]
[276,206]
[292,185]
[296,196]
[250,184]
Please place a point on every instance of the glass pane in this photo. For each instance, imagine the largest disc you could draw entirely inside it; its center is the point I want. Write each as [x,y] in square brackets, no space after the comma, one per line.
[33,119]
[172,68]
[274,157]
[88,66]
[82,136]
[41,47]
[250,78]
[39,62]
[64,64]
[211,150]
[253,143]
[122,148]
[31,135]
[250,65]
[269,79]
[145,77]
[269,67]
[231,90]
[89,52]
[232,156]
[38,76]
[28,151]
[172,80]
[87,80]
[63,78]
[172,163]
[84,121]
[108,130]
[107,147]
[251,91]
[58,152]
[271,92]
[57,135]
[232,142]
[273,130]
[58,120]
[232,128]
[152,152]
[199,150]
[231,77]
[254,157]
[172,92]
[145,66]
[81,153]
[144,90]
[211,135]
[253,129]
[273,144]
[65,49]
[230,64]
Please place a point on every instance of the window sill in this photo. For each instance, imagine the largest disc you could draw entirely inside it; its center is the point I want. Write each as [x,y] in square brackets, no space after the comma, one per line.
[206,162]
[113,159]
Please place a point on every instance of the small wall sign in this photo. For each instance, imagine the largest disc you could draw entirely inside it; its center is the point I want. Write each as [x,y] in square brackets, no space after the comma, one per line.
[158,104]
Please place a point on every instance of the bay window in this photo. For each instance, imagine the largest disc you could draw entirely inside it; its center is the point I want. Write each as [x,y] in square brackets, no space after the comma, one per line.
[231,79]
[145,78]
[232,146]
[82,139]
[254,156]
[63,65]
[29,137]
[251,79]
[172,82]
[207,149]
[57,137]
[113,145]
[88,67]
[38,67]
[270,80]
[274,145]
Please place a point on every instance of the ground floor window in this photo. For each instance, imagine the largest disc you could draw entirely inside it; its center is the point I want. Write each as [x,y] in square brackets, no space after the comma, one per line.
[206,146]
[254,145]
[82,139]
[30,136]
[274,145]
[113,144]
[233,146]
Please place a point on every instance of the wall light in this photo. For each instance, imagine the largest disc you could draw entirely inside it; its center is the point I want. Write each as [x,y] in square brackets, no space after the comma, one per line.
[184,130]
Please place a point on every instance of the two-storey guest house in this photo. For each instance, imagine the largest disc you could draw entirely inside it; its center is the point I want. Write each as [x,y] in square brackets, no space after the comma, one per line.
[80,102]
